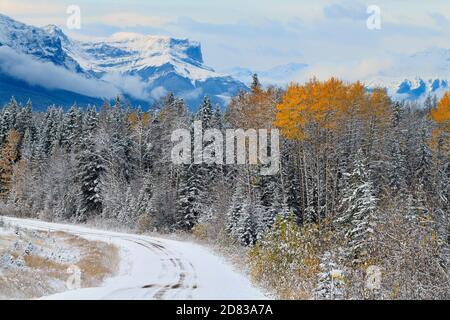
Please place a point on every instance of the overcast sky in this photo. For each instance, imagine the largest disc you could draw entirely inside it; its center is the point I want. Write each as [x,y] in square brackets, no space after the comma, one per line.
[261,34]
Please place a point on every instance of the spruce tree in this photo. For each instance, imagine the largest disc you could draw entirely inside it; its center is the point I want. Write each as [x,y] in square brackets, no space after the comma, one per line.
[359,211]
[190,197]
[90,168]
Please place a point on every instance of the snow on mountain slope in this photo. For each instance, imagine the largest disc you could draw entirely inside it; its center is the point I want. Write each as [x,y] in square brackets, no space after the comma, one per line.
[414,89]
[141,66]
[415,76]
[156,268]
[36,42]
[140,52]
[408,77]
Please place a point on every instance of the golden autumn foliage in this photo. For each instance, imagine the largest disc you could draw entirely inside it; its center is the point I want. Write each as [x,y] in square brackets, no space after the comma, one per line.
[322,105]
[379,104]
[137,119]
[255,109]
[441,116]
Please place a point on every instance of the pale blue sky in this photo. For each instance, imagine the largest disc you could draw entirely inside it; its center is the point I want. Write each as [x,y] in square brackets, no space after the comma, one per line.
[261,34]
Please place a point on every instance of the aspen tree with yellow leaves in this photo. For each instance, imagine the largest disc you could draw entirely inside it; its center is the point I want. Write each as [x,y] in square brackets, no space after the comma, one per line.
[441,117]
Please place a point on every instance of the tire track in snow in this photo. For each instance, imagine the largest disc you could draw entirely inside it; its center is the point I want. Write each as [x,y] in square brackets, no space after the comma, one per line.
[156,268]
[176,267]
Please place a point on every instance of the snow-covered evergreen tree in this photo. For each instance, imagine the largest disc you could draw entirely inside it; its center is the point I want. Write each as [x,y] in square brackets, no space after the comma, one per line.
[190,197]
[331,279]
[247,224]
[71,129]
[235,211]
[8,118]
[24,119]
[423,162]
[256,85]
[90,168]
[359,211]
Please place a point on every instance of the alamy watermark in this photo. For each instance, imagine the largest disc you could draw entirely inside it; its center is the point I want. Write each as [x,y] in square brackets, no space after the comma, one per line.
[373,22]
[74,19]
[208,147]
[373,278]
[74,280]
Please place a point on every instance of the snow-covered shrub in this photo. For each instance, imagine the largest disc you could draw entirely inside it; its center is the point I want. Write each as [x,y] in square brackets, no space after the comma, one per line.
[9,262]
[287,259]
[29,248]
[144,223]
[331,279]
[200,231]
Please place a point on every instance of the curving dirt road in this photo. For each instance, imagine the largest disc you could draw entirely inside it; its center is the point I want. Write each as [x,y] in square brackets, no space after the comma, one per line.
[156,268]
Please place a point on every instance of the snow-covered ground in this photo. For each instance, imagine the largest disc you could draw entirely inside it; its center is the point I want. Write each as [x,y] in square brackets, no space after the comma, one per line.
[156,268]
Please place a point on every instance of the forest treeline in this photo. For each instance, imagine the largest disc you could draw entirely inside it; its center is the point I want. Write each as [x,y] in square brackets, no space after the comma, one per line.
[363,184]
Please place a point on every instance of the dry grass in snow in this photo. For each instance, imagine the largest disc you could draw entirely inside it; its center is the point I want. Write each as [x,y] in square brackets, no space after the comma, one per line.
[34,264]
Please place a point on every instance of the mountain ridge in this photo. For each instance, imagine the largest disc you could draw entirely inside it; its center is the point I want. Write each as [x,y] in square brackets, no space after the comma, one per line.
[142,67]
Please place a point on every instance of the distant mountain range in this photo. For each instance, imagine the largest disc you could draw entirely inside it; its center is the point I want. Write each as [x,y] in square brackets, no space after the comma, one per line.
[411,77]
[48,66]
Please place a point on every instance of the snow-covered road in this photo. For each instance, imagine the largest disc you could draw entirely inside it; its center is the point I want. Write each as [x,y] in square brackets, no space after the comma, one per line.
[156,268]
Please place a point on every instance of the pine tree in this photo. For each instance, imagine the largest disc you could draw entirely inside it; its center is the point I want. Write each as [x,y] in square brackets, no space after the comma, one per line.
[235,210]
[247,225]
[359,211]
[120,145]
[190,197]
[90,121]
[331,280]
[256,85]
[90,168]
[290,181]
[47,136]
[145,195]
[28,146]
[196,179]
[24,119]
[8,118]
[424,162]
[72,129]
[127,212]
[270,204]
[397,168]
[205,113]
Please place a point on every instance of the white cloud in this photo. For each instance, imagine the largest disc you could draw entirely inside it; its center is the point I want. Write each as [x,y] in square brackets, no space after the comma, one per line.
[348,9]
[158,93]
[193,94]
[349,71]
[132,85]
[129,19]
[14,7]
[49,76]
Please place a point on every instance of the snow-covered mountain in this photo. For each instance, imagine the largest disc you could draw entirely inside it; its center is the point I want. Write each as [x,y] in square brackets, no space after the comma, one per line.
[414,77]
[408,77]
[414,89]
[48,66]
[35,42]
[142,68]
